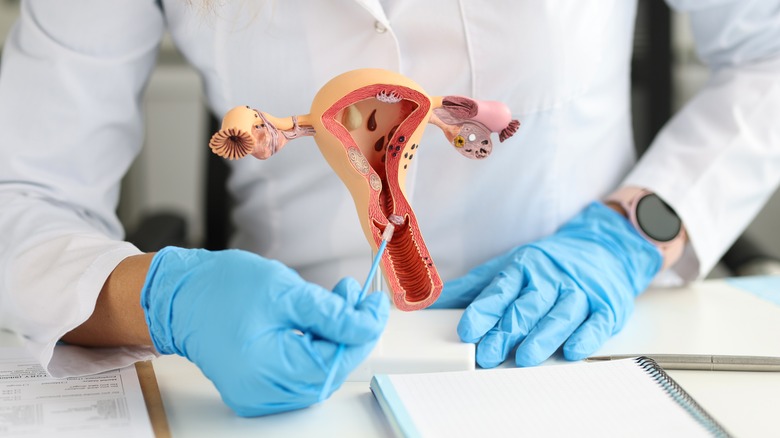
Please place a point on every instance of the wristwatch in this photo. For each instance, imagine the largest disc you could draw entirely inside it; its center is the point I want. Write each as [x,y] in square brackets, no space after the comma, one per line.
[653,219]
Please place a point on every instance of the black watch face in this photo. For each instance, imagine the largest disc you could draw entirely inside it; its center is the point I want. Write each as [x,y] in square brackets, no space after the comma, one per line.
[656,219]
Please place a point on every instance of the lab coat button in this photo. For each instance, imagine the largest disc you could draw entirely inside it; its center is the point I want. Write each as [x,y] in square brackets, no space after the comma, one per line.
[379,27]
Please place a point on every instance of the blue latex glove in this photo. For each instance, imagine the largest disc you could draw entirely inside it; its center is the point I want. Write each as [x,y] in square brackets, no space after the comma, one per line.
[265,337]
[575,288]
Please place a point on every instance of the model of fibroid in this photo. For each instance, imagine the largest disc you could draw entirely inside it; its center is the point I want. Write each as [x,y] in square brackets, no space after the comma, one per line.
[368,124]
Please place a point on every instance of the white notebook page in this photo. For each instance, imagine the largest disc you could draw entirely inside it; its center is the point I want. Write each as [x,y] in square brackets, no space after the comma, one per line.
[582,399]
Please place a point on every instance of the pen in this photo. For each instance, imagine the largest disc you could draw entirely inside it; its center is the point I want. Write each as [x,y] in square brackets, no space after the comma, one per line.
[387,234]
[707,362]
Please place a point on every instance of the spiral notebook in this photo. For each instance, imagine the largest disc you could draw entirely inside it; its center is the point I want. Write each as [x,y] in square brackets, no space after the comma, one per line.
[629,397]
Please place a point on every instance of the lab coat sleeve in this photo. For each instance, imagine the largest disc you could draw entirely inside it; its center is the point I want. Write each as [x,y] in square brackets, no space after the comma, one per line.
[717,161]
[71,81]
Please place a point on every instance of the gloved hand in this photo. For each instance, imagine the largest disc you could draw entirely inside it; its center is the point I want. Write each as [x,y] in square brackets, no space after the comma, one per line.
[575,287]
[265,337]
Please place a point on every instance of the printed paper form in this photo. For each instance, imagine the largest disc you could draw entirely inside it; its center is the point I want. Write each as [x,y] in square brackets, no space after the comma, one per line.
[32,404]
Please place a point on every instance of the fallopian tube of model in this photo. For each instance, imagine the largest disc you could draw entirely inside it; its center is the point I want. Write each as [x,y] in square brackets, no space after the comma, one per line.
[368,124]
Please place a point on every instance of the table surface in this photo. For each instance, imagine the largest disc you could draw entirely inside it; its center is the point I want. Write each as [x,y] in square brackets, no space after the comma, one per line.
[707,317]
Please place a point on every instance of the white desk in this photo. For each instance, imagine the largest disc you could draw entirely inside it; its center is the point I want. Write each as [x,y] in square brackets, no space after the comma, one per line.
[710,317]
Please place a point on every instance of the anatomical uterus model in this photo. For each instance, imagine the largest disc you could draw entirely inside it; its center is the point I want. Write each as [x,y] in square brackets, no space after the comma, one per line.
[368,124]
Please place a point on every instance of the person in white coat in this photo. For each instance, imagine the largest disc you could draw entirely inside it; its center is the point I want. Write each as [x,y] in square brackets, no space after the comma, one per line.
[546,243]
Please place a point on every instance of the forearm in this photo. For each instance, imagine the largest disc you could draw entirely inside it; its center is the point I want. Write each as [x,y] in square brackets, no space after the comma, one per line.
[118,318]
[716,161]
[657,219]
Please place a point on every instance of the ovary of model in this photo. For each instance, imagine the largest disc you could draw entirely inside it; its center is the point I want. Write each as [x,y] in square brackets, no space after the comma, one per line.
[368,124]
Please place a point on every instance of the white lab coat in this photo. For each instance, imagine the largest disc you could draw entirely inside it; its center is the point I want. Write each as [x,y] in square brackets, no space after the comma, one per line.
[73,73]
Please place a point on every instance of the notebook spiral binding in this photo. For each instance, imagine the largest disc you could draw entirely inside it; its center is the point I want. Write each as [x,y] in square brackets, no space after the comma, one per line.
[681,396]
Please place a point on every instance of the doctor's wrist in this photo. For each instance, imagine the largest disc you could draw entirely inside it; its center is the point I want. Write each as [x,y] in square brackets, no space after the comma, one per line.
[118,319]
[653,219]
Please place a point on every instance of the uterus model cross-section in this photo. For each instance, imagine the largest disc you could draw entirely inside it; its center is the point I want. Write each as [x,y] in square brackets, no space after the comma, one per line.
[368,124]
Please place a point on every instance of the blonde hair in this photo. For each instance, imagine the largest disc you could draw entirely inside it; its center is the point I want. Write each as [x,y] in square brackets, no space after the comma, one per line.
[205,6]
[209,9]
